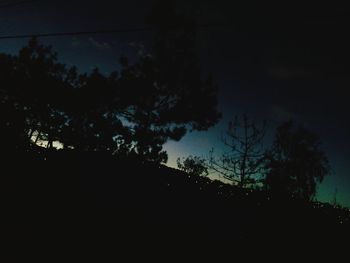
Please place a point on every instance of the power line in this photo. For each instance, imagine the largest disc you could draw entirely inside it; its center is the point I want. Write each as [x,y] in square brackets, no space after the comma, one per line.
[77,33]
[18,3]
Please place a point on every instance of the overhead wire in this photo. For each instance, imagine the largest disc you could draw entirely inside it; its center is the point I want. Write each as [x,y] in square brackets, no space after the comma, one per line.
[7,5]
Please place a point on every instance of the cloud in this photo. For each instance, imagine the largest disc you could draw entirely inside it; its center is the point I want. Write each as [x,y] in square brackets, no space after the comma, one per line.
[99,45]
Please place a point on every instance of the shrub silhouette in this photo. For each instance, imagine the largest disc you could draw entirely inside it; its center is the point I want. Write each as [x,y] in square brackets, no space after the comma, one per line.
[193,165]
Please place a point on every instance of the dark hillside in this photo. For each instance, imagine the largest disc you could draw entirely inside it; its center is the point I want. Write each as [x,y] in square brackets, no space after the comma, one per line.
[79,195]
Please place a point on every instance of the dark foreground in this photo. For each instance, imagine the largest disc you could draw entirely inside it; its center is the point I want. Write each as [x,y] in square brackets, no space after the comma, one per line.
[72,198]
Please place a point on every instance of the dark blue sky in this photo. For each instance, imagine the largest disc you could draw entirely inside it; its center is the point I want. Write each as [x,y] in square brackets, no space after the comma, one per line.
[271,62]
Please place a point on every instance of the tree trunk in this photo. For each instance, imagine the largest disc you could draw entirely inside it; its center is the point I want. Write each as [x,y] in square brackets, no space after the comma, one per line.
[37,137]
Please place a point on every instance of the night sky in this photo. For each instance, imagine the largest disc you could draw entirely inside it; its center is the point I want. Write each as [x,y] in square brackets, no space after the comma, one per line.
[271,62]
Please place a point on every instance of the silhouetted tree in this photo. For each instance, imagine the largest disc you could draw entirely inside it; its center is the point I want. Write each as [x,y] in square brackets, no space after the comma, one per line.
[31,83]
[242,163]
[95,124]
[335,201]
[159,111]
[193,165]
[166,93]
[135,111]
[295,163]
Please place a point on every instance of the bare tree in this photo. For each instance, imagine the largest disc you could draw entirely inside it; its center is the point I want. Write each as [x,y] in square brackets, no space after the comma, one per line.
[242,163]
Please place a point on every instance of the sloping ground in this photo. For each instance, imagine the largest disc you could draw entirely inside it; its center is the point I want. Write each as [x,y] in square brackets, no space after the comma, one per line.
[75,196]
